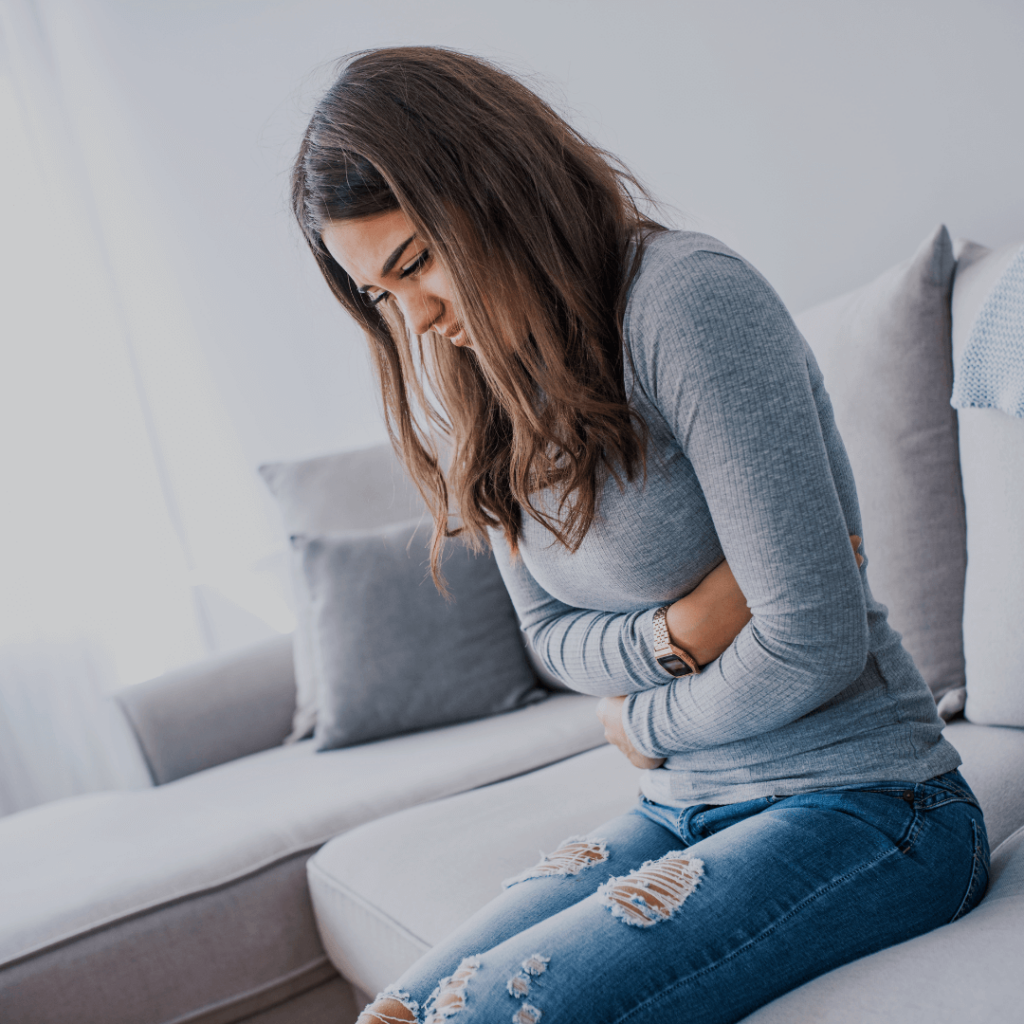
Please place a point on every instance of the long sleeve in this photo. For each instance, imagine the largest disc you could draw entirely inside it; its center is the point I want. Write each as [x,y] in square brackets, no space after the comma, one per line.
[601,653]
[718,356]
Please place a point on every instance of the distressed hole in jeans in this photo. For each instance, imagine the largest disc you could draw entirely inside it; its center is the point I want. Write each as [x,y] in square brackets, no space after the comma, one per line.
[450,995]
[518,985]
[534,964]
[392,1006]
[570,858]
[654,891]
[526,1014]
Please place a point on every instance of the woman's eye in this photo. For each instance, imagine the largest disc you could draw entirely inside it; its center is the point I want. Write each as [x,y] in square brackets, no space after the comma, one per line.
[372,297]
[417,264]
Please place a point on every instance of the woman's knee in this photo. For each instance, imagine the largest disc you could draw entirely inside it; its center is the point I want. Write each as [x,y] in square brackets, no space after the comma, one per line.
[387,1010]
[572,856]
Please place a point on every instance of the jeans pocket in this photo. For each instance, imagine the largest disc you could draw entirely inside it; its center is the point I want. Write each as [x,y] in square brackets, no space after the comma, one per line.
[979,873]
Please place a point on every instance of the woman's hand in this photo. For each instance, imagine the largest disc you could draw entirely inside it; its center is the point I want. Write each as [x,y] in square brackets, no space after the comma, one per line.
[710,617]
[609,710]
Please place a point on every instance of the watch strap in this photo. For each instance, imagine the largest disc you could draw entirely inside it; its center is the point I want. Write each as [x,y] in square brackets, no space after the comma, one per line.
[674,659]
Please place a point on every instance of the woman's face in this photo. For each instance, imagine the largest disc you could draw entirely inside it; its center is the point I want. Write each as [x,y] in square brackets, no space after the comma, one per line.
[385,257]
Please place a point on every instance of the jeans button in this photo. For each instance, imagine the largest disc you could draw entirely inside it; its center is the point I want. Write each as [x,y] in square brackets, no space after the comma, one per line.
[908,795]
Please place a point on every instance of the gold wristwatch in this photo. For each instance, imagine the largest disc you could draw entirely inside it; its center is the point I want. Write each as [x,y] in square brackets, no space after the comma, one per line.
[671,658]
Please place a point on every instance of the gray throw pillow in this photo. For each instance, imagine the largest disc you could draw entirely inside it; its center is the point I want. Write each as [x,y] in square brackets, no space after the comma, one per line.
[391,654]
[353,490]
[885,352]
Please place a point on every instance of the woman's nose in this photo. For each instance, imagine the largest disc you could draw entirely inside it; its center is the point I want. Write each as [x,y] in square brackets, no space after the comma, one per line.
[419,312]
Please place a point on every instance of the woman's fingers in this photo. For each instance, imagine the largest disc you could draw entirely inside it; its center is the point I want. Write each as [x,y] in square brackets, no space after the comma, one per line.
[855,541]
[639,761]
[609,710]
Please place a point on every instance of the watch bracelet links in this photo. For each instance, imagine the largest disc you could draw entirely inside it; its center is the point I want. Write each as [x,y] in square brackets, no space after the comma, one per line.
[664,648]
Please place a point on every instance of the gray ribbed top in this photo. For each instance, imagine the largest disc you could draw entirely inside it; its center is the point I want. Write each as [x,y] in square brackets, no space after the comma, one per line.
[745,463]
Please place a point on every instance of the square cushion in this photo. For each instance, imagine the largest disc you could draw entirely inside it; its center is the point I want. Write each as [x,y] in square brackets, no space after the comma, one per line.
[992,457]
[355,490]
[188,902]
[885,352]
[391,653]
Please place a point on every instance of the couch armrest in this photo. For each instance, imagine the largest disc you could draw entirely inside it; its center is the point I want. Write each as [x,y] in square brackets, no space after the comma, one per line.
[214,711]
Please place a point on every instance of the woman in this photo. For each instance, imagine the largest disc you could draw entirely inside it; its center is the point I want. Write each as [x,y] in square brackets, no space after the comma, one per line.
[636,427]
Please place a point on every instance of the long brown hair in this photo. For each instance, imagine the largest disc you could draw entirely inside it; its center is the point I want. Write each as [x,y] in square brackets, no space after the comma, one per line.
[540,234]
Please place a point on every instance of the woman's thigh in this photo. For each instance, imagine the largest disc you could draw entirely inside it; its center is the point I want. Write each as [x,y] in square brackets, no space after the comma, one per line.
[574,871]
[709,933]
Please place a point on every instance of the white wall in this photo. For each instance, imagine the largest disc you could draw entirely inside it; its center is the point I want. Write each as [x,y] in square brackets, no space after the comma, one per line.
[822,140]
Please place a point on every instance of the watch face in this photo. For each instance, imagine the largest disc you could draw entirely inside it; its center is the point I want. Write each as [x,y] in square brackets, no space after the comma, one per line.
[675,665]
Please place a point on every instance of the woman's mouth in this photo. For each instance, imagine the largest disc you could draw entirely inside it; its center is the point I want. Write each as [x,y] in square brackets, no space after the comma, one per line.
[456,334]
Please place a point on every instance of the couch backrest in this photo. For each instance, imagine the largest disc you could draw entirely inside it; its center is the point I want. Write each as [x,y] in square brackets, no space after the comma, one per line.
[992,461]
[217,710]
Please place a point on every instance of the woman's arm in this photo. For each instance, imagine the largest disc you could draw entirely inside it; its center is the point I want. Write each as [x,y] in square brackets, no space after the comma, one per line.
[611,654]
[600,653]
[716,352]
[707,620]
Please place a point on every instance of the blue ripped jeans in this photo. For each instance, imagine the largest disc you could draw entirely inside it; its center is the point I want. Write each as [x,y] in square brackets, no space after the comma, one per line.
[705,914]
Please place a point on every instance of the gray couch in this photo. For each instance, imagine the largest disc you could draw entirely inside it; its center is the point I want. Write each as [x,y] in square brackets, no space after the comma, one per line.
[267,883]
[189,901]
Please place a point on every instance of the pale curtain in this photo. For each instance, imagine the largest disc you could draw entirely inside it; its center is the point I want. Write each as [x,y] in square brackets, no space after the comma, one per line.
[131,530]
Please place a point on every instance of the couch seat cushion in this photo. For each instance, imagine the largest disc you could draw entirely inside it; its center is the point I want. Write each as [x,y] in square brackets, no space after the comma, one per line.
[185,900]
[378,910]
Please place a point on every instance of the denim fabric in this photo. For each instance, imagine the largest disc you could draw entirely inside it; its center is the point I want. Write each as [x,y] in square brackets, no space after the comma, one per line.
[789,887]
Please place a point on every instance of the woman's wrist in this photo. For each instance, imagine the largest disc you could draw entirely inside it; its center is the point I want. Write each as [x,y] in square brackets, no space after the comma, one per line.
[673,658]
[707,620]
